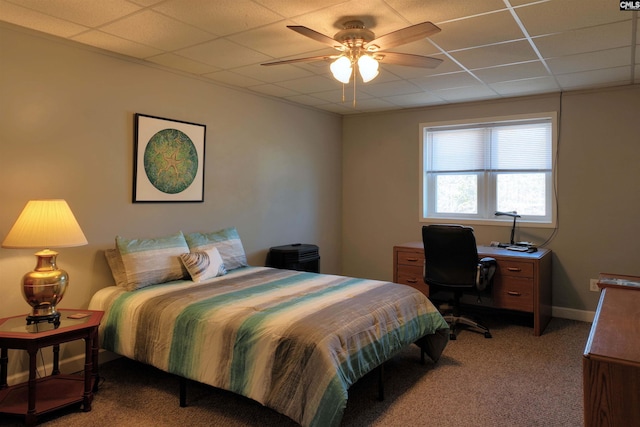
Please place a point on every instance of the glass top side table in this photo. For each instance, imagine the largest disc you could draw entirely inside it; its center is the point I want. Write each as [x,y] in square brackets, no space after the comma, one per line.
[41,395]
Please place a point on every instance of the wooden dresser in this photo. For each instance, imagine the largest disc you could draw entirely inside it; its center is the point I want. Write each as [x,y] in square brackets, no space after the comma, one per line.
[522,281]
[611,362]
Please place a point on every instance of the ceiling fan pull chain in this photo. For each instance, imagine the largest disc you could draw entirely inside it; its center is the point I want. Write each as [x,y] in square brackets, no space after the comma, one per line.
[354,86]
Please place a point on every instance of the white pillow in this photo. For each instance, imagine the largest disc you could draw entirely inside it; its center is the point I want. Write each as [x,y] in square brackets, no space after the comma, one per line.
[203,265]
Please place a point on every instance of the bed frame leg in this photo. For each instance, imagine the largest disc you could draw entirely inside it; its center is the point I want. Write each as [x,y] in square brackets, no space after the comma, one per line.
[183,392]
[381,382]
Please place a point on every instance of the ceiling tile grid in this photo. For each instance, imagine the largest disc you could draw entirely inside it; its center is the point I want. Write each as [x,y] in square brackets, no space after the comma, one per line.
[490,48]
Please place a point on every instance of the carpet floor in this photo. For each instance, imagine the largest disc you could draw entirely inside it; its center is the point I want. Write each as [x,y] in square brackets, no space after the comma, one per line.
[513,379]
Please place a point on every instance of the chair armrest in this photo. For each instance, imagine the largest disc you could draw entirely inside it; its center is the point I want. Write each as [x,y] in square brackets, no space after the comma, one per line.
[486,269]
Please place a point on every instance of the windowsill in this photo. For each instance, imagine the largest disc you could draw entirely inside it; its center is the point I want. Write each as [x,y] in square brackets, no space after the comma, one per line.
[491,222]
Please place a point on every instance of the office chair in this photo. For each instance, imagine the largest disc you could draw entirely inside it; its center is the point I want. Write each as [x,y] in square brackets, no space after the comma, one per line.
[451,262]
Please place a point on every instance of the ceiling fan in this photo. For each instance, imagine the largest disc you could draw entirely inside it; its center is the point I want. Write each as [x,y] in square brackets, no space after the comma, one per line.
[360,49]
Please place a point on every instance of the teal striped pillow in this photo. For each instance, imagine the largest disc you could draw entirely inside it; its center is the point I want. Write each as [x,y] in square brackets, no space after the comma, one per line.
[203,265]
[228,243]
[152,261]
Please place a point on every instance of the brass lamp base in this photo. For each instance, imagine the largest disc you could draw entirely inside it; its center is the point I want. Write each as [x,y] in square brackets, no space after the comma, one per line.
[44,287]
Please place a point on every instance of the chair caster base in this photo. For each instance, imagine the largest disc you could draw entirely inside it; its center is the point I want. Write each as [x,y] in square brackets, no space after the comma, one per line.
[487,335]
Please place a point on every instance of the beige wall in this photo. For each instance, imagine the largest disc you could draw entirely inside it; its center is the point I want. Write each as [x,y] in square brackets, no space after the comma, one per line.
[598,182]
[273,170]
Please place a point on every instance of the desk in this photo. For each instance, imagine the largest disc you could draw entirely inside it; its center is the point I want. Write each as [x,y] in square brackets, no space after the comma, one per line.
[611,362]
[522,281]
[38,396]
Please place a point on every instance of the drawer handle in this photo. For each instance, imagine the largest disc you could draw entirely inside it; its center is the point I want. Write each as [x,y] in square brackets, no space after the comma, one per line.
[412,259]
[514,269]
[514,293]
[412,280]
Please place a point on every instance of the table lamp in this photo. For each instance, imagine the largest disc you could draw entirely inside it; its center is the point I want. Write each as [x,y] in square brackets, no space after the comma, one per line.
[45,224]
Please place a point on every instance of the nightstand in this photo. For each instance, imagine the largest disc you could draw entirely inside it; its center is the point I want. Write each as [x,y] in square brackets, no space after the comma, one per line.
[40,395]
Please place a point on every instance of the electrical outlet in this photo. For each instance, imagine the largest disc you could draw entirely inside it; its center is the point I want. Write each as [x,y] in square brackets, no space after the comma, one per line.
[593,285]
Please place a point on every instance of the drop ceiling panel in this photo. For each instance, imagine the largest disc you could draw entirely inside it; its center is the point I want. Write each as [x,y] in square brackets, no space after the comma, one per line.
[477,31]
[76,11]
[563,15]
[399,87]
[335,95]
[232,79]
[18,15]
[496,54]
[274,90]
[306,100]
[528,70]
[601,37]
[280,42]
[156,30]
[590,61]
[273,74]
[318,83]
[525,86]
[469,93]
[438,11]
[452,80]
[595,78]
[414,99]
[181,63]
[401,71]
[219,17]
[372,104]
[295,8]
[223,54]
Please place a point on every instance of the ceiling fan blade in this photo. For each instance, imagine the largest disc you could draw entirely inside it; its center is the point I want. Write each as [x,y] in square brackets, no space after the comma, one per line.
[307,59]
[407,59]
[319,37]
[403,36]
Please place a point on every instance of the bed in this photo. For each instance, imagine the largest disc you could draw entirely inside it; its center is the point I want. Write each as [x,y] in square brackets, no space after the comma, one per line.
[292,341]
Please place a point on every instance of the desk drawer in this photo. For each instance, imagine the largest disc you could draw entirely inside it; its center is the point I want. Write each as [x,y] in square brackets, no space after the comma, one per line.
[515,268]
[410,258]
[410,275]
[513,293]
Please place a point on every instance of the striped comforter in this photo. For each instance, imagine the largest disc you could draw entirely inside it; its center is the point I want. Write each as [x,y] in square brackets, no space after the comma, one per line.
[293,341]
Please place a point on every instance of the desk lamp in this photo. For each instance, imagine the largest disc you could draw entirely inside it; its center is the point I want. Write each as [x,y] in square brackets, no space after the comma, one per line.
[514,215]
[48,224]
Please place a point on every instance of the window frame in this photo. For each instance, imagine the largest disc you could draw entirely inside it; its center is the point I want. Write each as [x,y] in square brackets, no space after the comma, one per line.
[487,180]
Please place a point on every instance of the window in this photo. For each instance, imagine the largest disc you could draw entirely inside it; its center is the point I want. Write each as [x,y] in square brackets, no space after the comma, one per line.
[469,171]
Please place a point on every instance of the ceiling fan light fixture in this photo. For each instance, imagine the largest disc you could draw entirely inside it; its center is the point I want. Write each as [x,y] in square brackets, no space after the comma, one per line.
[341,69]
[368,68]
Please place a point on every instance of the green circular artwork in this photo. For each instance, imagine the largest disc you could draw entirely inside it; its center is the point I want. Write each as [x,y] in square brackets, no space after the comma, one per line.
[171,161]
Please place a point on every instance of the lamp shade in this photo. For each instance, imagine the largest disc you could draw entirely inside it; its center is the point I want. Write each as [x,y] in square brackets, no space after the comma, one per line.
[368,68]
[45,224]
[341,69]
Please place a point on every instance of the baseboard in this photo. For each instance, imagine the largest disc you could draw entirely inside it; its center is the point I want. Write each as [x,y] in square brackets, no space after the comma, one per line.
[573,314]
[67,365]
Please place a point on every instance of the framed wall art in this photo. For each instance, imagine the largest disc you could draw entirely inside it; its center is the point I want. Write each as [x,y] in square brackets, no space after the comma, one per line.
[168,161]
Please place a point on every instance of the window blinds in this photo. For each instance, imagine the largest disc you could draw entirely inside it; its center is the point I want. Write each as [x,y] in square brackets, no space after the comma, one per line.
[491,146]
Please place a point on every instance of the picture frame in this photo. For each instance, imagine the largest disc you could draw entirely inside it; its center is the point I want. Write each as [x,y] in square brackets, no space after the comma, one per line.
[168,164]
